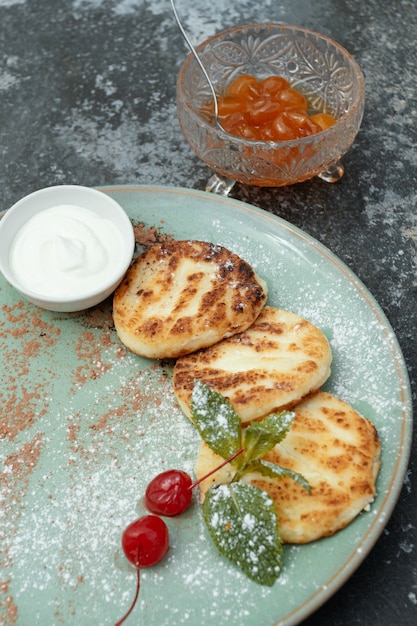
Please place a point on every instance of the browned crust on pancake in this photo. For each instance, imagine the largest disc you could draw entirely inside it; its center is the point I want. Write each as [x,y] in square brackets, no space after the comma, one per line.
[260,382]
[336,449]
[179,296]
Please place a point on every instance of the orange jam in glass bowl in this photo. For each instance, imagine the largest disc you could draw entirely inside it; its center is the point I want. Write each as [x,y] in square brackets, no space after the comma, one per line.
[266,110]
[252,56]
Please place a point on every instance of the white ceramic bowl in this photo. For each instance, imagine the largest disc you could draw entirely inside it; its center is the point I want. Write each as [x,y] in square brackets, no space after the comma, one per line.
[95,204]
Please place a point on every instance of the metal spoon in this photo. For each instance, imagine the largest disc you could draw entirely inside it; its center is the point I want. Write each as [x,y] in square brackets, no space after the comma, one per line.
[200,63]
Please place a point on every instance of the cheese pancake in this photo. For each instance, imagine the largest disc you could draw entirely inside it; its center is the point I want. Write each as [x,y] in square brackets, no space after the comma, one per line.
[335,449]
[180,296]
[272,365]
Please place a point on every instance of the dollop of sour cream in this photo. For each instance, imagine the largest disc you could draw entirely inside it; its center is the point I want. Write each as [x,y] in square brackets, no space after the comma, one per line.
[65,251]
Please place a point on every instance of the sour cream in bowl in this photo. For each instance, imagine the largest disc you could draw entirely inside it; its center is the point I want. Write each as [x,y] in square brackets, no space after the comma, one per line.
[65,248]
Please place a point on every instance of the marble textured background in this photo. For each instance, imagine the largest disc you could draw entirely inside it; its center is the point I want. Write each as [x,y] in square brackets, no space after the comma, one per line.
[87,96]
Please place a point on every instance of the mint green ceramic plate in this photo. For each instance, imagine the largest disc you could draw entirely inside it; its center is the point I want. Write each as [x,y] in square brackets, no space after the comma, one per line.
[86,425]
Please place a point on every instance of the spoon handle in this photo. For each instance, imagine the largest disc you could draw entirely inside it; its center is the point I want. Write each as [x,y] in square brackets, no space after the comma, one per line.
[199,61]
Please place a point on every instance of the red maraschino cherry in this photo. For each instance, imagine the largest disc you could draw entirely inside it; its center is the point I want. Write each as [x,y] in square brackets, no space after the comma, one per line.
[145,542]
[169,493]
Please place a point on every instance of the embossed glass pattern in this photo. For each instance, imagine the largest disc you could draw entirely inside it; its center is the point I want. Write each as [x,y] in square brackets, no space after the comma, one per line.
[314,64]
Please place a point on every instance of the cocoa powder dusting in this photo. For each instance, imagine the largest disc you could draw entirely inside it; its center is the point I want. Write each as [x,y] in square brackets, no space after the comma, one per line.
[17,470]
[6,601]
[148,236]
[23,396]
[89,351]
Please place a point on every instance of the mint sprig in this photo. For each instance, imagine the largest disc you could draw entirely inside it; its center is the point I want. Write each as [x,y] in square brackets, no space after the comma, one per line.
[242,522]
[241,518]
[216,420]
[261,437]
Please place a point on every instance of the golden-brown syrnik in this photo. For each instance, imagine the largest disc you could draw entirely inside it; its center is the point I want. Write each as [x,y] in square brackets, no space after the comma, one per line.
[335,449]
[272,365]
[180,296]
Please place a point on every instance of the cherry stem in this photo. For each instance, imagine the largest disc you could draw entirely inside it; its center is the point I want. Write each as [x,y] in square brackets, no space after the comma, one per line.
[132,606]
[213,471]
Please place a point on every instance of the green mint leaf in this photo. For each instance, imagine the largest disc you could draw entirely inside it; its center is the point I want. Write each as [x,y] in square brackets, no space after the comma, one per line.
[243,524]
[216,420]
[261,437]
[276,471]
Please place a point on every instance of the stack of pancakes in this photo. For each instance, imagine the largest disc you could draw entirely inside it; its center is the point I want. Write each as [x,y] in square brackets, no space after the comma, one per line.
[206,307]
